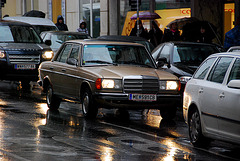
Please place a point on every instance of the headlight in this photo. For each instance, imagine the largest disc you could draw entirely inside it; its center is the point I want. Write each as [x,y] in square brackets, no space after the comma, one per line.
[169,85]
[2,54]
[108,84]
[47,55]
[184,79]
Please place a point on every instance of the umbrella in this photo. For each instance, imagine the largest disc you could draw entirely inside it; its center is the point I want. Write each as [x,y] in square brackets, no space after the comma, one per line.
[146,16]
[35,13]
[183,21]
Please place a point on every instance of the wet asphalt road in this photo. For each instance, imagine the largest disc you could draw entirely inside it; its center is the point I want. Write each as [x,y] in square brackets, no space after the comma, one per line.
[29,131]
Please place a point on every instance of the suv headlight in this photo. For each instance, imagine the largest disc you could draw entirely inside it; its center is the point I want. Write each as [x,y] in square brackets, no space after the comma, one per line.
[48,55]
[169,85]
[108,84]
[2,54]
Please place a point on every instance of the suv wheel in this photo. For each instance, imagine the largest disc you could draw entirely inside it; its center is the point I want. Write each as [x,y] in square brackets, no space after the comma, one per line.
[89,108]
[53,101]
[195,130]
[168,113]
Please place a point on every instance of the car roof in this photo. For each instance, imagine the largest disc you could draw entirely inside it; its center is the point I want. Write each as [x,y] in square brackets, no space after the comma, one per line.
[103,42]
[63,33]
[8,23]
[121,38]
[190,43]
[235,54]
[31,20]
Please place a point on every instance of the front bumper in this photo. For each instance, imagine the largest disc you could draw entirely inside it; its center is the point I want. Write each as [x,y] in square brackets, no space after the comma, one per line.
[121,100]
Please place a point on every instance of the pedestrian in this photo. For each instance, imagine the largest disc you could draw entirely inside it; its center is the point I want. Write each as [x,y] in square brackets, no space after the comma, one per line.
[142,32]
[60,24]
[171,34]
[203,35]
[155,34]
[232,37]
[82,27]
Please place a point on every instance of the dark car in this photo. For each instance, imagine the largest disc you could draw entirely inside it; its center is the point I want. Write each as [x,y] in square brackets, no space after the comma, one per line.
[58,37]
[21,52]
[135,39]
[183,58]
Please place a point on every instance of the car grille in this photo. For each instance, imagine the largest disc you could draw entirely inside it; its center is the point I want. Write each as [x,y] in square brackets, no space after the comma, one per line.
[26,59]
[140,84]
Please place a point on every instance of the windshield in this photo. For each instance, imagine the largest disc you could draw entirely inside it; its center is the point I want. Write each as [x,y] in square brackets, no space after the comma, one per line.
[41,28]
[116,54]
[192,55]
[19,34]
[57,40]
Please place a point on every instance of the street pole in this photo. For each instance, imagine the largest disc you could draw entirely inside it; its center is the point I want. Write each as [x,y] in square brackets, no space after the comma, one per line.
[0,9]
[91,18]
[138,18]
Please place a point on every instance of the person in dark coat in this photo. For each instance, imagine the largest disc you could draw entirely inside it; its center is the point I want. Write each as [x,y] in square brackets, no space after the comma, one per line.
[60,24]
[142,32]
[203,36]
[155,34]
[171,34]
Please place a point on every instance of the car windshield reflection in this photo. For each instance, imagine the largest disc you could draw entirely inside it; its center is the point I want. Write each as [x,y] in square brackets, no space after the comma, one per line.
[116,54]
[191,55]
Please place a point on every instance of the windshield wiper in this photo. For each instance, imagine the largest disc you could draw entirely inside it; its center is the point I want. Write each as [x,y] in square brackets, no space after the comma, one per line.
[99,61]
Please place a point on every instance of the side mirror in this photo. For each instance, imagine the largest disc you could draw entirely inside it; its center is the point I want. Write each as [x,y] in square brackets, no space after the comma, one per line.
[162,61]
[234,84]
[48,42]
[72,61]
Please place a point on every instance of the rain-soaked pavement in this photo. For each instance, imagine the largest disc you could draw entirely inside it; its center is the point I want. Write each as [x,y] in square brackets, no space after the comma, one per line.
[29,131]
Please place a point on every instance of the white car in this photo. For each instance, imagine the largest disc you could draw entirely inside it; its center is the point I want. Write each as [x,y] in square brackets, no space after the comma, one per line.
[234,49]
[211,105]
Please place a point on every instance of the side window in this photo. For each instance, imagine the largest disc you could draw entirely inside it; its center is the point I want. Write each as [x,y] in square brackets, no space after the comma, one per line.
[235,72]
[217,74]
[156,53]
[165,53]
[62,57]
[74,52]
[203,69]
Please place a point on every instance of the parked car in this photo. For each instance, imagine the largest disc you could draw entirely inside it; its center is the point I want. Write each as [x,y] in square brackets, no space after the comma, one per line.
[58,37]
[183,58]
[211,100]
[21,52]
[39,24]
[234,49]
[108,74]
[135,39]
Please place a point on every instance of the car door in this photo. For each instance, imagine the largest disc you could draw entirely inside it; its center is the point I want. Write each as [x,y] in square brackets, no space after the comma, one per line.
[229,106]
[69,83]
[59,70]
[200,91]
[209,92]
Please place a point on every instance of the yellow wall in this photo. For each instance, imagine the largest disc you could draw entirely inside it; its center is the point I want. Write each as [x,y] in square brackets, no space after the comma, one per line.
[9,8]
[56,9]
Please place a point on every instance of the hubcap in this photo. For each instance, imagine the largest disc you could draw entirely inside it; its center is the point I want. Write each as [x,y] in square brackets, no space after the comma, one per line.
[85,104]
[194,126]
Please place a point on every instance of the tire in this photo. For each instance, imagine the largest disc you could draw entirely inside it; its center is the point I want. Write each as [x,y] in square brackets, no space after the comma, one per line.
[53,101]
[168,113]
[89,108]
[195,130]
[25,84]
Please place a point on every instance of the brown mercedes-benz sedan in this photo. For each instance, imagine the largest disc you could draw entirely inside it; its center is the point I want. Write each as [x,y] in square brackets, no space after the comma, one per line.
[107,74]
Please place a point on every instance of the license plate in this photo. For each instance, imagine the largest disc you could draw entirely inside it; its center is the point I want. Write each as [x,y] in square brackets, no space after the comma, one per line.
[25,66]
[143,97]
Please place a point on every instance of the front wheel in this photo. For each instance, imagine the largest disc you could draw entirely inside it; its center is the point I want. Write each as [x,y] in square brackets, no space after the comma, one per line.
[89,107]
[168,113]
[53,101]
[195,130]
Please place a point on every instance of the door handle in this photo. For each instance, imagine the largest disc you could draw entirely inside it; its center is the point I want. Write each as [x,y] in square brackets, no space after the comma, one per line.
[63,70]
[200,90]
[51,68]
[221,95]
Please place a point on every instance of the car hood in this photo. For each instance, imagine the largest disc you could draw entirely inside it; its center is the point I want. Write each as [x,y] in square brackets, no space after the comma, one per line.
[23,46]
[120,71]
[184,69]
